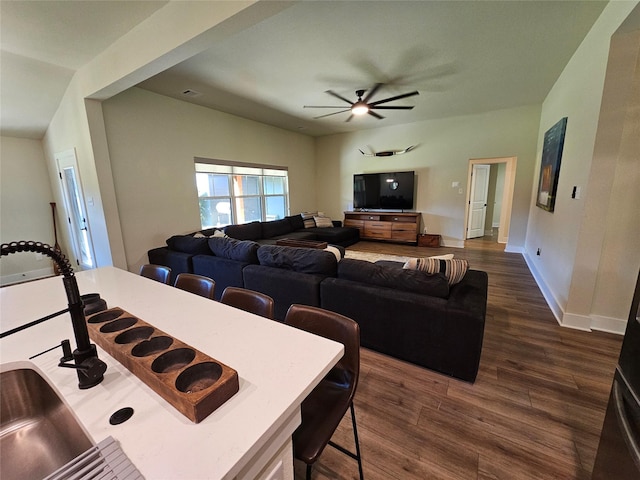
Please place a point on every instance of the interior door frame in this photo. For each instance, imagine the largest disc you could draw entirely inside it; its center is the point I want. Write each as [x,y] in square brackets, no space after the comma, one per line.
[473,191]
[69,159]
[507,193]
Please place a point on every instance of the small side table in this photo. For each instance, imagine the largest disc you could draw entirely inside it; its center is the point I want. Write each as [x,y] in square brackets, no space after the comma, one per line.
[428,240]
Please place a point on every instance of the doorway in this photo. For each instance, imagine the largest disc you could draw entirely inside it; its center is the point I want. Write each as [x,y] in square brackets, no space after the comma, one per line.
[489,199]
[74,209]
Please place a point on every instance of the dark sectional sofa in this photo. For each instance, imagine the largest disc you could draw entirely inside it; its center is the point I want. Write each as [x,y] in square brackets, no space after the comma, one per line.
[407,314]
[268,233]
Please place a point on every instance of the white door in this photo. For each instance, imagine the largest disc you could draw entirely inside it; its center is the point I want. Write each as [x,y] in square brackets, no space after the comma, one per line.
[478,200]
[75,210]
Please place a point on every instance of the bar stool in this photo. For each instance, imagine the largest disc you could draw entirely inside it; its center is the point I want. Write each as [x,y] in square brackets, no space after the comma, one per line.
[159,273]
[325,406]
[248,300]
[198,284]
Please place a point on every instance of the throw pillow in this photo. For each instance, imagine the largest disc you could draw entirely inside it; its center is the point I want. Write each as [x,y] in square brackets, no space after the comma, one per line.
[322,222]
[308,220]
[412,263]
[239,250]
[453,269]
[303,260]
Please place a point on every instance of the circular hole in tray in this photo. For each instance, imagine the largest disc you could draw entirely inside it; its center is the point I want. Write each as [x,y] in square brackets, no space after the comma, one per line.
[151,346]
[106,316]
[173,360]
[90,297]
[95,306]
[134,334]
[198,377]
[117,325]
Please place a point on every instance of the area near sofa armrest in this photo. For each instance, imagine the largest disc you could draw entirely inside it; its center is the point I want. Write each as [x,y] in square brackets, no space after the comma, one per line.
[225,272]
[286,287]
[178,262]
[445,335]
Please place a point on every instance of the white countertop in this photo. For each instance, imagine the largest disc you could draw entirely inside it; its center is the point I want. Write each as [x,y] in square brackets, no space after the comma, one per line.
[277,366]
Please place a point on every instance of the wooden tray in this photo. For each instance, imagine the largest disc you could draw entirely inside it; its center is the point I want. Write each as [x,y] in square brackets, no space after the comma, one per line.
[193,382]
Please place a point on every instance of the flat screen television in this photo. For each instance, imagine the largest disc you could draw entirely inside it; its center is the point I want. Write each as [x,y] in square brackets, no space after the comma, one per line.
[383,191]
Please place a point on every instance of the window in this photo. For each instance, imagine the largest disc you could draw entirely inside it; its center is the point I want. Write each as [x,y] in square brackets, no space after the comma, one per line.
[235,193]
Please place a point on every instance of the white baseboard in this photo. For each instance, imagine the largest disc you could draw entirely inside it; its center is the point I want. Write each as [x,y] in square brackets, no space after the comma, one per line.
[546,291]
[585,323]
[575,321]
[452,243]
[25,276]
[512,249]
[608,324]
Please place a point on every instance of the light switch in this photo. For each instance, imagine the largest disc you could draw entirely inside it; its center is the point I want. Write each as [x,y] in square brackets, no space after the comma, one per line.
[455,184]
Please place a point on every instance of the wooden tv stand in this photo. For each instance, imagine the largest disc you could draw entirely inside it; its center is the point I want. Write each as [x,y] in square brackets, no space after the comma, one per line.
[388,226]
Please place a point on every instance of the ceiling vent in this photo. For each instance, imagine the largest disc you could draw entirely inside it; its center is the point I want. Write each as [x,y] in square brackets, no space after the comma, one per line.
[190,93]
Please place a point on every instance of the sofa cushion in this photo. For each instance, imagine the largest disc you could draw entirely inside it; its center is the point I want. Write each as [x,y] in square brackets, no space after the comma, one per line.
[240,250]
[307,218]
[275,228]
[335,234]
[322,222]
[189,244]
[296,221]
[454,269]
[303,260]
[245,231]
[396,278]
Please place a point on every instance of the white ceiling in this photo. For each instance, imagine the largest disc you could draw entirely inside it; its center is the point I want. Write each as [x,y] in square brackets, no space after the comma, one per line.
[43,43]
[463,57]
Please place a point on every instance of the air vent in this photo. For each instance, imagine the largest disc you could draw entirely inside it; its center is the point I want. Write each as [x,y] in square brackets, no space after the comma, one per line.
[191,93]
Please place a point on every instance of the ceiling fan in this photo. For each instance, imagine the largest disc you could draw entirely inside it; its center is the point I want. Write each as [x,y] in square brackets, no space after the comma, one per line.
[362,105]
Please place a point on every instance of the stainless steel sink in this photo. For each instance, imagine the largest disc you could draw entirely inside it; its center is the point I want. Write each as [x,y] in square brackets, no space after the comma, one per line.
[39,433]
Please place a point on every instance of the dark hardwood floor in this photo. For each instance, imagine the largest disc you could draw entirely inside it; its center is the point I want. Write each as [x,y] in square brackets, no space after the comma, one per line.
[534,412]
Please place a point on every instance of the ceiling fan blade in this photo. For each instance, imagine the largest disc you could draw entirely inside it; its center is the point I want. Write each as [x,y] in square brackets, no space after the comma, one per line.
[323,106]
[334,94]
[391,99]
[349,119]
[385,107]
[374,114]
[372,92]
[334,113]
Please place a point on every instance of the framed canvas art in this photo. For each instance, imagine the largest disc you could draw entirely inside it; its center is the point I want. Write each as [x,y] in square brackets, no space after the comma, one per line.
[550,165]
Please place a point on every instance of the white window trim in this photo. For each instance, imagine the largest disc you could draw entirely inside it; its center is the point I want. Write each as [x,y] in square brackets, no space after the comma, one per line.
[206,165]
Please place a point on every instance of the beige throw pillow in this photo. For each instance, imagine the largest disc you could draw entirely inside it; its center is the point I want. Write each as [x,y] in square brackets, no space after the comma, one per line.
[308,220]
[322,222]
[453,269]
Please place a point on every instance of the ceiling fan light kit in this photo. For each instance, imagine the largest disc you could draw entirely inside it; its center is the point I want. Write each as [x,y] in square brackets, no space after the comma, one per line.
[363,106]
[359,108]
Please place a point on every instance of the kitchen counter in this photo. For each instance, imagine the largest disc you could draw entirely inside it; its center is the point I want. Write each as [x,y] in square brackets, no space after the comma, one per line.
[249,436]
